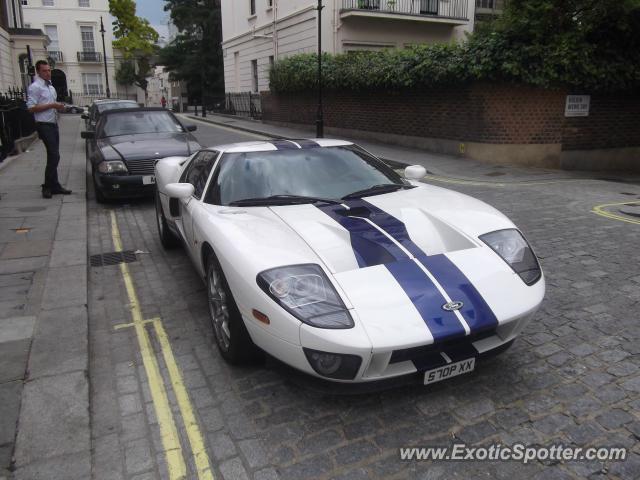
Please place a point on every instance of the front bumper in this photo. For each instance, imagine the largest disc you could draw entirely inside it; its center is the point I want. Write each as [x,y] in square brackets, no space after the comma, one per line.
[400,364]
[123,186]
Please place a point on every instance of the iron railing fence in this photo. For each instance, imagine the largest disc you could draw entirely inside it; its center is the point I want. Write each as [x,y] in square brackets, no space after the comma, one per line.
[246,104]
[15,120]
[92,57]
[439,8]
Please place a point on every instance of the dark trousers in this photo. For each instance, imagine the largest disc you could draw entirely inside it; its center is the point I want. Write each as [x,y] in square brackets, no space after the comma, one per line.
[48,133]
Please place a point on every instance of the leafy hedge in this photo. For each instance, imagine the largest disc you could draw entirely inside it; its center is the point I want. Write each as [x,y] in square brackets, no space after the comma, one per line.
[580,44]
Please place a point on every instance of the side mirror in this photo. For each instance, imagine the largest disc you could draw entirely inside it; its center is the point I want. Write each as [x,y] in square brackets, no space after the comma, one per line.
[415,172]
[88,135]
[191,128]
[84,116]
[179,190]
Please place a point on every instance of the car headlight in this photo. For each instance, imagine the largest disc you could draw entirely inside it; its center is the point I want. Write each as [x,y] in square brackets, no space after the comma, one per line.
[112,166]
[306,293]
[514,249]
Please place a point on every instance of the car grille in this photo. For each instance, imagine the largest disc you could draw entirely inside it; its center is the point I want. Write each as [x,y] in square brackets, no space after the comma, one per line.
[141,167]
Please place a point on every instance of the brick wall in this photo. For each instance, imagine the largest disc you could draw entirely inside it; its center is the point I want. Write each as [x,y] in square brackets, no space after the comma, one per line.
[484,113]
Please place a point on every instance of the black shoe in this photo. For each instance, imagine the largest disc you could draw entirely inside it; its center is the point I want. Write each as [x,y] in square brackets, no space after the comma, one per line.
[46,192]
[61,190]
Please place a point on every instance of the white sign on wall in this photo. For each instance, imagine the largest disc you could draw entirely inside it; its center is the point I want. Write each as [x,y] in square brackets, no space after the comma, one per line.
[577,106]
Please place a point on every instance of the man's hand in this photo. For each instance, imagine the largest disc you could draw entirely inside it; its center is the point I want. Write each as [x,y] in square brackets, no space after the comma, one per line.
[59,106]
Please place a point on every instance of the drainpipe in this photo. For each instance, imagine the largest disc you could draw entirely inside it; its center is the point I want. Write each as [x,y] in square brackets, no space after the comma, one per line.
[275,30]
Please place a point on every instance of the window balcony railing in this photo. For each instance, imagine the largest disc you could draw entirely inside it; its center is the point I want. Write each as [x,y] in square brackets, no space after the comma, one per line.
[456,9]
[92,57]
[55,55]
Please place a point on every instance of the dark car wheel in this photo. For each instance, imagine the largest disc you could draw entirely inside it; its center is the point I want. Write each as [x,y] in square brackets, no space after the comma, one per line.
[230,333]
[167,237]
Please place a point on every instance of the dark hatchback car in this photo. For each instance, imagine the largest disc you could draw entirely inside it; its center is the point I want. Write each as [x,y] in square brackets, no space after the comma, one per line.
[100,106]
[127,143]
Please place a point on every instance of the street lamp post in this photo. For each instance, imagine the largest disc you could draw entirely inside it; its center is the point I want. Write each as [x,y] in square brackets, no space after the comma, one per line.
[104,57]
[319,118]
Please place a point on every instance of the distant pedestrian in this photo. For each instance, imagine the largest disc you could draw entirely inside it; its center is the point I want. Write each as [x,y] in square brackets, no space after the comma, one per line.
[163,101]
[42,103]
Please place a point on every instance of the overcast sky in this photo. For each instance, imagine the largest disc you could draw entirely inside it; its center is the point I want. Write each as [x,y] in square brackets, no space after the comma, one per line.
[153,10]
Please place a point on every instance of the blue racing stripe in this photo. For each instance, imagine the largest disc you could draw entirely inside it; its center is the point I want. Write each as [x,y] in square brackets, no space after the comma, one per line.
[475,310]
[305,143]
[427,299]
[389,224]
[371,247]
[284,145]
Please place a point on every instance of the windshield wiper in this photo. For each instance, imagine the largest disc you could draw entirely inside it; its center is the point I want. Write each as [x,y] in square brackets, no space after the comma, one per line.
[377,189]
[280,200]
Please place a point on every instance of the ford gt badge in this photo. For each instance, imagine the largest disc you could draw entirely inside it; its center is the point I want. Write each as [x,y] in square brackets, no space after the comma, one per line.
[451,306]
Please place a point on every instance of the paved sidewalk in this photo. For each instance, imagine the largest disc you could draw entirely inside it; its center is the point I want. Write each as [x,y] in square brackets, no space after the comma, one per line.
[44,389]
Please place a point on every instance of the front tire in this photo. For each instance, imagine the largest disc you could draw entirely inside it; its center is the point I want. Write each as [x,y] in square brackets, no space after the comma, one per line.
[167,237]
[100,198]
[231,335]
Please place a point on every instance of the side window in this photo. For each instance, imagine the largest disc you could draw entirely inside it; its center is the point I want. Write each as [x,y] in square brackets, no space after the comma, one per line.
[198,171]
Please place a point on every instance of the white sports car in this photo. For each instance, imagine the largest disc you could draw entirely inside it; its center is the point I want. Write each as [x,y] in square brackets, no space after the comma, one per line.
[321,255]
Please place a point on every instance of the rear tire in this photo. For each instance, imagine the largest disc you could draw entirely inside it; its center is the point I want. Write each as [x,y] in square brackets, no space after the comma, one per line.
[230,333]
[167,237]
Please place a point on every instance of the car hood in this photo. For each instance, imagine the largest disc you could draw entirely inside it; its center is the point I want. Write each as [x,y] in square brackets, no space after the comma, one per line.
[138,147]
[400,257]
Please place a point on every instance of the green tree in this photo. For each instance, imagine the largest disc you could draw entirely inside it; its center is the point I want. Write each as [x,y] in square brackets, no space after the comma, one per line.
[195,55]
[126,74]
[135,37]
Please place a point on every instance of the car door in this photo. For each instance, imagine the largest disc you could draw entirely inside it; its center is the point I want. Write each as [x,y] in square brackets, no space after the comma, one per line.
[197,174]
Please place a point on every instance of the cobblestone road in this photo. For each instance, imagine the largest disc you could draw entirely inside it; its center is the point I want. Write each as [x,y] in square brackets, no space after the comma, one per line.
[573,377]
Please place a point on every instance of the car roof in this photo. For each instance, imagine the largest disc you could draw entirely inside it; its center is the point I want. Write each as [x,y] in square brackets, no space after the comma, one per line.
[278,144]
[112,100]
[135,110]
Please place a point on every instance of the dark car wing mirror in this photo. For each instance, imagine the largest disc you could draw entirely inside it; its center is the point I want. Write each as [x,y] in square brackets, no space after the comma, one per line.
[191,128]
[88,135]
[84,116]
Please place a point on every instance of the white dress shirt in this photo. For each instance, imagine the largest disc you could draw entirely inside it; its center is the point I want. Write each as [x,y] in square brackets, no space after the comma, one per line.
[39,92]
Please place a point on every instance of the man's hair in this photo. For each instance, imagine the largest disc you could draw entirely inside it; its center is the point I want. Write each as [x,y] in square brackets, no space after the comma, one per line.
[40,63]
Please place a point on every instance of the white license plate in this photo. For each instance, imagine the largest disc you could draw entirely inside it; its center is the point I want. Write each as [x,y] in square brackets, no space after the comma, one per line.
[450,370]
[148,180]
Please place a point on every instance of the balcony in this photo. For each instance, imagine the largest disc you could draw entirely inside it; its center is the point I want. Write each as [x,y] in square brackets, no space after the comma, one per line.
[89,57]
[55,55]
[445,11]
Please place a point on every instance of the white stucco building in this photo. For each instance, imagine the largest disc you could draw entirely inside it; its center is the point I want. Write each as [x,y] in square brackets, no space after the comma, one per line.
[14,39]
[73,27]
[256,32]
[160,85]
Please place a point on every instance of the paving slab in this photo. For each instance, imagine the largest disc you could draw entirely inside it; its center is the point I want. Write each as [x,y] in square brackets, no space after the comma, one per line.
[65,287]
[10,400]
[67,253]
[34,248]
[66,467]
[54,419]
[16,328]
[13,359]
[60,342]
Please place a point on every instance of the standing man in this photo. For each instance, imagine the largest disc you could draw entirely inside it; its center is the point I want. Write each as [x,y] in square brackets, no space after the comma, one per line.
[42,103]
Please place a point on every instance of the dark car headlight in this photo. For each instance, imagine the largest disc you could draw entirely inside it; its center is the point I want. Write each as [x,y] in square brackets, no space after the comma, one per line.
[112,166]
[306,293]
[514,249]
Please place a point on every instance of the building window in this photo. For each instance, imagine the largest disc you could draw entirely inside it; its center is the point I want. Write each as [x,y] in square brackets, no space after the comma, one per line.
[88,45]
[270,3]
[47,3]
[252,7]
[271,61]
[84,3]
[92,83]
[52,33]
[254,75]
[24,2]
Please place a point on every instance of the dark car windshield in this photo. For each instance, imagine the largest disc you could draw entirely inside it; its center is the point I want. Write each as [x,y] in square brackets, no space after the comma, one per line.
[329,172]
[137,122]
[103,107]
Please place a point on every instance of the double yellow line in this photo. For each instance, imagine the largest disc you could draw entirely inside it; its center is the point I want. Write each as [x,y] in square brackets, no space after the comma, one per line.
[168,432]
[601,210]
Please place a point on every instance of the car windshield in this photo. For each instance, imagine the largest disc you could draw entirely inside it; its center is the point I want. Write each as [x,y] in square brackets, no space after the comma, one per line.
[137,122]
[103,107]
[328,172]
